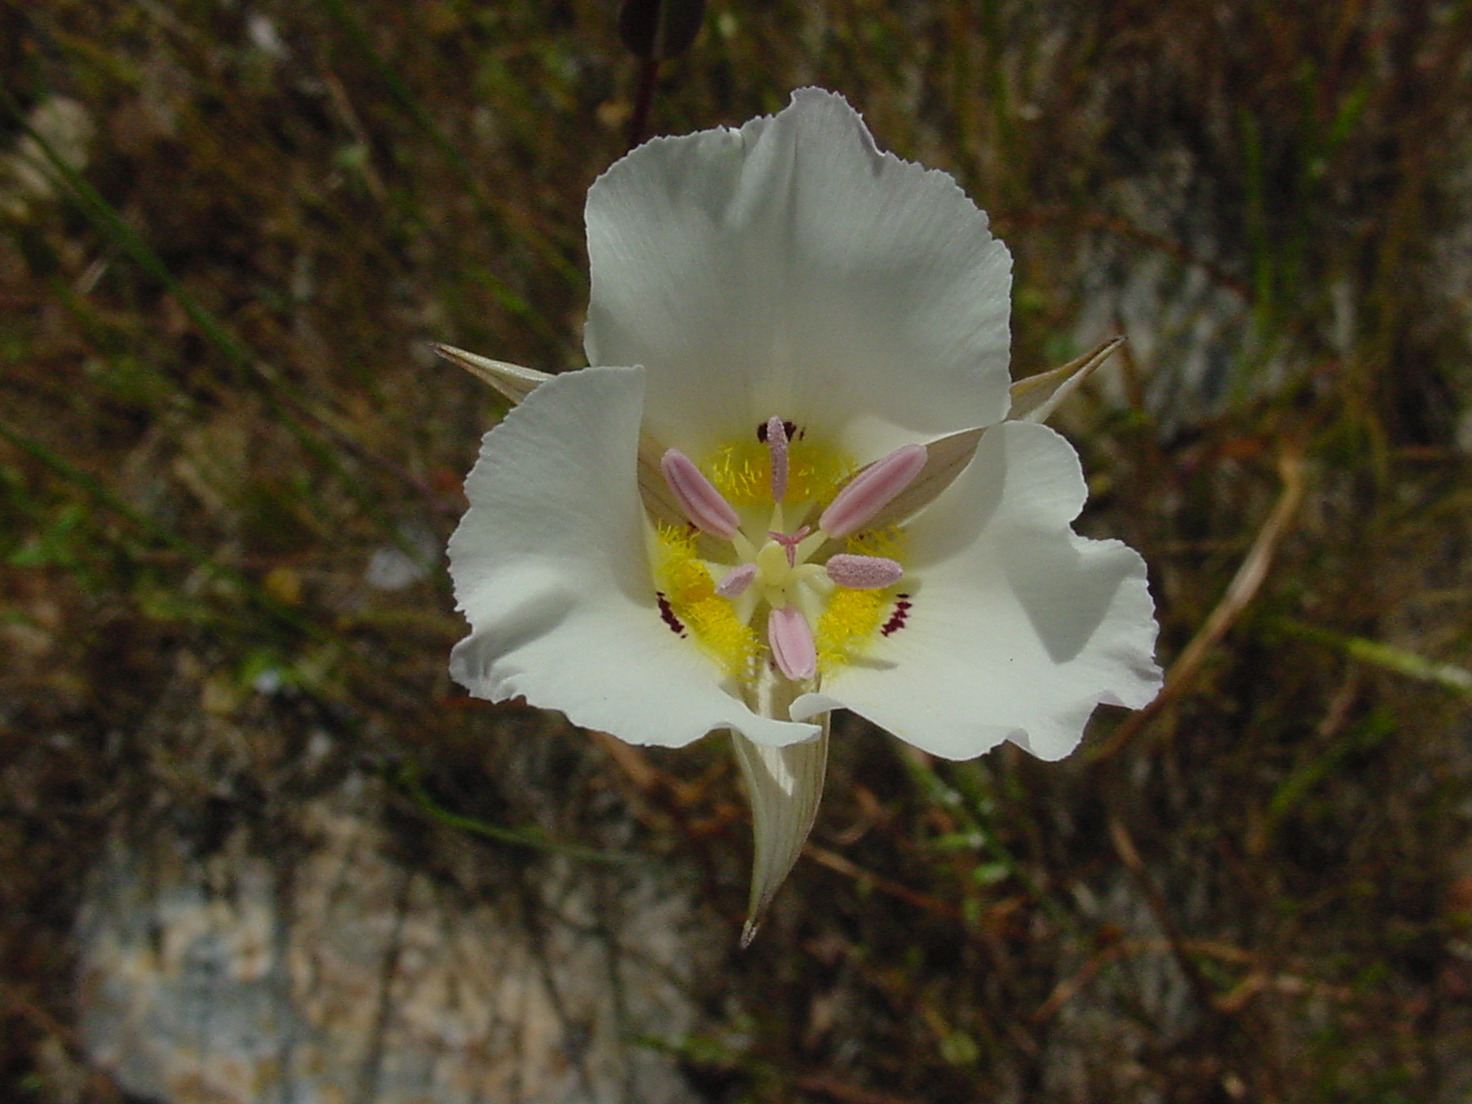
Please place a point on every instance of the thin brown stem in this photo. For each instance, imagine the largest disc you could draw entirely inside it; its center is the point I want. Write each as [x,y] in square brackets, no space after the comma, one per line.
[643,101]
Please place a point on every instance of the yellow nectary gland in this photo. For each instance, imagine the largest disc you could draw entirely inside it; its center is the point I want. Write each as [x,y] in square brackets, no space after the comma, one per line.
[852,617]
[689,601]
[850,621]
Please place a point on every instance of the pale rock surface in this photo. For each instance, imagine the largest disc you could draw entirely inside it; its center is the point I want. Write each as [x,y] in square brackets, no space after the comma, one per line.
[337,972]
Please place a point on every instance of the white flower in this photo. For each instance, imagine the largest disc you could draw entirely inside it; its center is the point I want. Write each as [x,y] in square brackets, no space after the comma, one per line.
[787,486]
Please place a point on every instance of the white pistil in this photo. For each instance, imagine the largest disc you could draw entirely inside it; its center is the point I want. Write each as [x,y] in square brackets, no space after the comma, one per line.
[774,574]
[789,541]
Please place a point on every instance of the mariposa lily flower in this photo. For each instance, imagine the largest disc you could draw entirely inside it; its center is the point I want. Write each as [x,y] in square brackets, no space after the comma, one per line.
[789,483]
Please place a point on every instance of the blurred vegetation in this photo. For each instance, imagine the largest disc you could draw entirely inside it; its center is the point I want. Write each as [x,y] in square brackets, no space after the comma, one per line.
[232,230]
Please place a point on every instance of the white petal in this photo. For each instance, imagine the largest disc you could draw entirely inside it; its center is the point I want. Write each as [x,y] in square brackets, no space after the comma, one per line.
[785,785]
[791,268]
[1018,626]
[515,383]
[550,569]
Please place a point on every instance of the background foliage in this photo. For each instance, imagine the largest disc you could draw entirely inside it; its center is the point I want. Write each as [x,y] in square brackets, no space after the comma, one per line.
[229,461]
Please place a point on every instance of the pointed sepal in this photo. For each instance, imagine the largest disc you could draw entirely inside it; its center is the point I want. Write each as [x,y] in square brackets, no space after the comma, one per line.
[784,785]
[511,380]
[1035,398]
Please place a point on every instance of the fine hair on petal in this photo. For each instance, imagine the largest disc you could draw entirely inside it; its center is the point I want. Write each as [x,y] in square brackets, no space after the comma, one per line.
[848,625]
[742,471]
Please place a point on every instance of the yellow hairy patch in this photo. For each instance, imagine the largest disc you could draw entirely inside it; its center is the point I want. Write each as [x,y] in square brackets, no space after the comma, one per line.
[852,617]
[691,594]
[850,622]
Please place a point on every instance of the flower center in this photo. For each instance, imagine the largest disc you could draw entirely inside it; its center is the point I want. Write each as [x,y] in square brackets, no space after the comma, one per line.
[818,593]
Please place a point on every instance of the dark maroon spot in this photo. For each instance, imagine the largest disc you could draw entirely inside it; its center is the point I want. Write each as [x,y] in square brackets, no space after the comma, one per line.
[668,613]
[900,615]
[789,427]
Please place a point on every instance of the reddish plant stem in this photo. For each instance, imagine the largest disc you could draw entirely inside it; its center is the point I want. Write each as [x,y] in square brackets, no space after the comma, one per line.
[643,101]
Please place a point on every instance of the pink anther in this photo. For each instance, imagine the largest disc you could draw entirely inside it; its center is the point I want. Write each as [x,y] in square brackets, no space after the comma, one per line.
[792,643]
[735,581]
[777,450]
[699,500]
[871,490]
[789,541]
[863,572]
